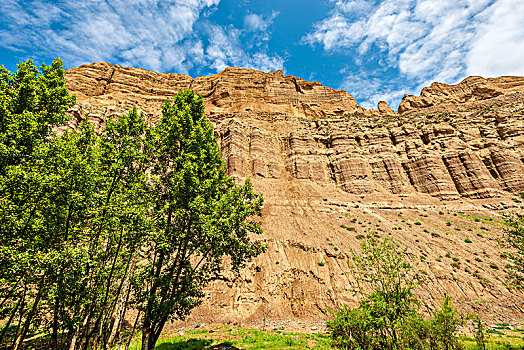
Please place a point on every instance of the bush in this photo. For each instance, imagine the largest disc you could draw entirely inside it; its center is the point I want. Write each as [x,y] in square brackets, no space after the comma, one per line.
[514,238]
[467,240]
[387,316]
[350,329]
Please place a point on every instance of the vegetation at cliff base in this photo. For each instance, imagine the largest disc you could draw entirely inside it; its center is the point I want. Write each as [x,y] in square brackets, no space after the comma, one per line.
[515,241]
[94,224]
[388,316]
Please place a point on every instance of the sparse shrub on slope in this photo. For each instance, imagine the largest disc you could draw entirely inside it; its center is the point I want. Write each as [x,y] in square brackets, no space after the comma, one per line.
[387,316]
[515,240]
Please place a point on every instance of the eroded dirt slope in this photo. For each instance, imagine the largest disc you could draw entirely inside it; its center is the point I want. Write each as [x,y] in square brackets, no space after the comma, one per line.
[444,170]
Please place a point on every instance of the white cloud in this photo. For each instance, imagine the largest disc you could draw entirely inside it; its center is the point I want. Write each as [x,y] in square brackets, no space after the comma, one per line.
[156,34]
[147,33]
[420,37]
[354,7]
[370,90]
[498,46]
[426,40]
[225,49]
[255,22]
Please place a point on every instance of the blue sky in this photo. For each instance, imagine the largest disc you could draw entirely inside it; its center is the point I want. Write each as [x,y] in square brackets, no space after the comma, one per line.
[376,50]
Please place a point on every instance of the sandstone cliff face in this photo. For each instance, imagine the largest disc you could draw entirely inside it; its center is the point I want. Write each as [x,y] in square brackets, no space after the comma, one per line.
[234,90]
[324,163]
[471,93]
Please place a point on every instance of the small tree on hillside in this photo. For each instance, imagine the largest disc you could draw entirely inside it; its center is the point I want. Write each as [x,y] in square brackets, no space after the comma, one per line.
[386,281]
[201,216]
[515,240]
[387,316]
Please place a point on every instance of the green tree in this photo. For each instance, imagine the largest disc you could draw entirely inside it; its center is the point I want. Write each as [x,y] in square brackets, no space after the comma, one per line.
[72,215]
[515,240]
[481,338]
[387,316]
[32,103]
[443,327]
[95,223]
[119,218]
[386,281]
[201,216]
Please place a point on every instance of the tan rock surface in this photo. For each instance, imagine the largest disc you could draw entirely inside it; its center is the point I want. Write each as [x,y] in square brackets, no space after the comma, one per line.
[471,93]
[321,163]
[385,109]
[234,90]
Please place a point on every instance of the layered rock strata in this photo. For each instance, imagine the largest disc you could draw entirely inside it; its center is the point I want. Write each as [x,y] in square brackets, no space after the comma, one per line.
[325,164]
[472,93]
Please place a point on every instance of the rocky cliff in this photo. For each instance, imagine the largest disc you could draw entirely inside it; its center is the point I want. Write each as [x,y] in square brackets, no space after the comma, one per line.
[473,93]
[442,170]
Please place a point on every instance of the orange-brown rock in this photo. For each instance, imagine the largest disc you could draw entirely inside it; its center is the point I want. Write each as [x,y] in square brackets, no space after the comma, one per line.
[324,164]
[234,90]
[385,109]
[471,93]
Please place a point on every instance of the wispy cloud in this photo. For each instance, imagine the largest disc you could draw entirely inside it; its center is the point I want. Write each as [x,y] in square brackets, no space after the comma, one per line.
[246,47]
[497,47]
[154,34]
[224,48]
[425,40]
[257,22]
[370,89]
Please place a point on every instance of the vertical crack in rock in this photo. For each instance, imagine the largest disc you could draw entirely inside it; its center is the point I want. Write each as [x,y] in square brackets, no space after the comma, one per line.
[108,81]
[330,170]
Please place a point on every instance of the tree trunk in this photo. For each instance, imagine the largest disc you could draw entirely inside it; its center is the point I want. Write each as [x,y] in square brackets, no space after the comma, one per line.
[151,333]
[78,329]
[121,305]
[30,315]
[11,317]
[149,339]
[54,335]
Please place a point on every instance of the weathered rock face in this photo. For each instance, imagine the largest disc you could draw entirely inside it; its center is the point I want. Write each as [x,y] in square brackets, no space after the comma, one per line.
[471,93]
[234,90]
[324,163]
[385,109]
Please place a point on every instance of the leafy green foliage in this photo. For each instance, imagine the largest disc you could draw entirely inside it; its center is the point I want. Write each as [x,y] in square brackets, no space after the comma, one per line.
[387,316]
[481,338]
[92,224]
[200,216]
[515,240]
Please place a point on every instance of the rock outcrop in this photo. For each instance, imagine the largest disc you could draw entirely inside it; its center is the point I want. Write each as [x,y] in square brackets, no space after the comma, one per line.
[324,164]
[471,93]
[385,109]
[234,90]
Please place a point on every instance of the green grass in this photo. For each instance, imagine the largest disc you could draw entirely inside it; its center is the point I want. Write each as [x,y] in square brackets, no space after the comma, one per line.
[484,219]
[238,338]
[228,337]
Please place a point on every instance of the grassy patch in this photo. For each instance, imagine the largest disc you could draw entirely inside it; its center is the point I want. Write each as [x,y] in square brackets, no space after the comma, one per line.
[239,338]
[233,338]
